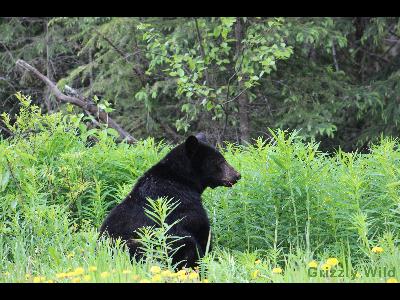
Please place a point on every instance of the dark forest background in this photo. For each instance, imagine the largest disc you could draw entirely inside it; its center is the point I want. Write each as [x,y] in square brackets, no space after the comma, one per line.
[334,79]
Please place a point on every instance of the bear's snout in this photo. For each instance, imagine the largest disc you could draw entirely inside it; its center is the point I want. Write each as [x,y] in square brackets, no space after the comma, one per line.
[231,176]
[237,176]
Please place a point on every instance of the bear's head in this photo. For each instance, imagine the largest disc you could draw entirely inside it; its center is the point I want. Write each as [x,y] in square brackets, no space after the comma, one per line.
[208,163]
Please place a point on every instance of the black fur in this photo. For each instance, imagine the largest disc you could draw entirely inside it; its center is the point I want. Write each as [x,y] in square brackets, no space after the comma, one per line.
[183,174]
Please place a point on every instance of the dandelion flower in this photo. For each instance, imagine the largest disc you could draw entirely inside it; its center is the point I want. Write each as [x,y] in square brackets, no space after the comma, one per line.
[79,271]
[71,254]
[38,279]
[135,277]
[182,277]
[326,267]
[332,261]
[144,281]
[70,274]
[76,280]
[166,273]
[205,281]
[126,271]
[49,281]
[277,270]
[255,274]
[155,269]
[313,264]
[61,275]
[92,269]
[377,249]
[193,275]
[392,280]
[87,278]
[104,274]
[257,262]
[156,278]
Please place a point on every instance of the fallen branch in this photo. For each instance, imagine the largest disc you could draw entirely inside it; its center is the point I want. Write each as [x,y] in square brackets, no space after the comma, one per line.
[79,101]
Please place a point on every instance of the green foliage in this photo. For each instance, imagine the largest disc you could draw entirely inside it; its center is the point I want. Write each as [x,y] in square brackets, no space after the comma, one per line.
[291,194]
[191,68]
[293,204]
[335,79]
[157,244]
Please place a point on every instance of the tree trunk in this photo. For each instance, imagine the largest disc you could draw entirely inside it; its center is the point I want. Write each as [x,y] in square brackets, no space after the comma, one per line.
[360,23]
[243,99]
[47,93]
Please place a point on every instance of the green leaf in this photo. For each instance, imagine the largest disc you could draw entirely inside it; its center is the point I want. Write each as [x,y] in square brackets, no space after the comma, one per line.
[5,178]
[181,73]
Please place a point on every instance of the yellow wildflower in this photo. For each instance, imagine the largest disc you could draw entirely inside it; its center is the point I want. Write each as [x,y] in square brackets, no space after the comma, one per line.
[205,281]
[257,262]
[277,270]
[181,273]
[392,280]
[332,261]
[87,278]
[377,249]
[79,271]
[92,269]
[104,274]
[126,271]
[76,280]
[49,281]
[61,275]
[166,273]
[155,269]
[38,279]
[255,274]
[182,277]
[193,275]
[313,264]
[135,277]
[326,267]
[358,275]
[144,281]
[71,254]
[156,278]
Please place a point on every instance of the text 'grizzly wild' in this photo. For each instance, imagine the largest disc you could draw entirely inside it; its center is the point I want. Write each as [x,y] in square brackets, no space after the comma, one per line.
[183,174]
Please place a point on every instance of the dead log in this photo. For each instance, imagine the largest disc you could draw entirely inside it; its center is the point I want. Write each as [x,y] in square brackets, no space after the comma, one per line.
[78,100]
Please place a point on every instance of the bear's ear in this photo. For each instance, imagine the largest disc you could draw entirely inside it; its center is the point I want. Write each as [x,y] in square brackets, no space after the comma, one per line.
[191,145]
[202,137]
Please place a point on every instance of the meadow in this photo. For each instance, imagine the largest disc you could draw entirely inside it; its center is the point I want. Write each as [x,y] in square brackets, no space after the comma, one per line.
[297,214]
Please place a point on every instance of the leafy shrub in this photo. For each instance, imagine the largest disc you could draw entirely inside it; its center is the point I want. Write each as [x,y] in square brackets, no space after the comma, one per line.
[56,188]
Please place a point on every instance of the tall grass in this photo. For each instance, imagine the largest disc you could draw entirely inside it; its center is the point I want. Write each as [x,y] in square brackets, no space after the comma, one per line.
[293,196]
[293,203]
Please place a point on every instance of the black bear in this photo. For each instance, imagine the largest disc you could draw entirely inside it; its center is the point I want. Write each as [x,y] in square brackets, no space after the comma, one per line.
[183,174]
